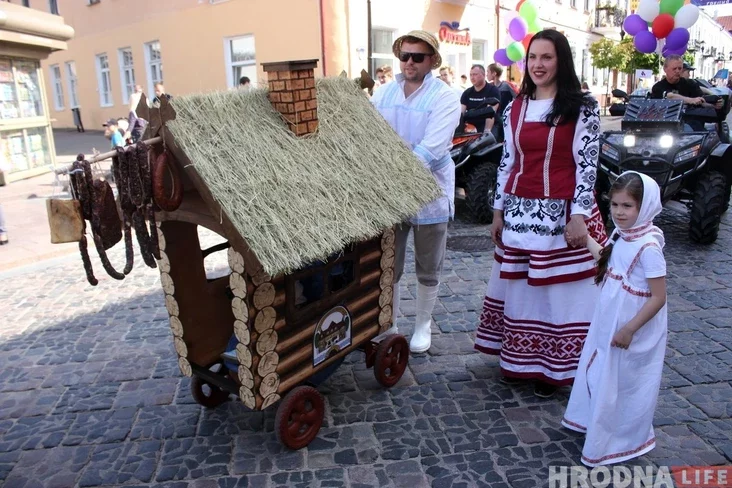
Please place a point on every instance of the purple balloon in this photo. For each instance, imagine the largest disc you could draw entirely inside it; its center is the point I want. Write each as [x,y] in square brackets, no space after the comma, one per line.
[501,57]
[679,51]
[518,28]
[645,42]
[677,38]
[634,24]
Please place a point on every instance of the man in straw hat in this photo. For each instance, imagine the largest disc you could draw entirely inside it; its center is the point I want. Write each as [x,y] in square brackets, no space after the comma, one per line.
[424,111]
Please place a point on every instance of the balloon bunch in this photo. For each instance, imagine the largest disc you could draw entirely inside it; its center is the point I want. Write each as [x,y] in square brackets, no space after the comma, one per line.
[669,22]
[522,26]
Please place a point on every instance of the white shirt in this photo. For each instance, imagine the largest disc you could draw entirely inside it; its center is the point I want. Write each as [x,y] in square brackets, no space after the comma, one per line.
[426,121]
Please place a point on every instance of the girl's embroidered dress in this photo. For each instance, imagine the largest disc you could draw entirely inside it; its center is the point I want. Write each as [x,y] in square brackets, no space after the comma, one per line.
[541,293]
[614,395]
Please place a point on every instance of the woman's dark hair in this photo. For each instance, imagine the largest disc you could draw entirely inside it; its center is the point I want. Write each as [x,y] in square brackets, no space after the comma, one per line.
[633,185]
[569,99]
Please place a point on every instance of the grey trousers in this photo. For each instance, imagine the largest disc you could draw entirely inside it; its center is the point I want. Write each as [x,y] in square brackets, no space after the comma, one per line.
[429,251]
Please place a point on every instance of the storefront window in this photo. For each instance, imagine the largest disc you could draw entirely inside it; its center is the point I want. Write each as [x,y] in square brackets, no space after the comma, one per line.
[25,149]
[20,93]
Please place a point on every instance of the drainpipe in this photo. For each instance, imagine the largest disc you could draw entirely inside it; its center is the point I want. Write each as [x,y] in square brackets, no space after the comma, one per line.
[322,37]
[370,47]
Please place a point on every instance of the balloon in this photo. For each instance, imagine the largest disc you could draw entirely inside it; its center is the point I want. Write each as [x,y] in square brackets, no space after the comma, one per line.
[634,24]
[645,42]
[677,38]
[670,6]
[662,26]
[520,65]
[518,5]
[528,11]
[535,26]
[648,10]
[500,57]
[527,41]
[666,52]
[515,51]
[518,28]
[509,15]
[686,16]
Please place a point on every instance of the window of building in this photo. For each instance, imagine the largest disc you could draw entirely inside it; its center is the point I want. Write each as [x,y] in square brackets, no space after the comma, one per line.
[573,3]
[53,7]
[381,55]
[479,50]
[26,3]
[154,65]
[241,60]
[104,81]
[71,83]
[127,73]
[587,5]
[57,88]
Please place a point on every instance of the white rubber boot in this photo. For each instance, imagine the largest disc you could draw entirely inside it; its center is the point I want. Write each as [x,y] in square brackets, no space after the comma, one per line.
[395,314]
[422,335]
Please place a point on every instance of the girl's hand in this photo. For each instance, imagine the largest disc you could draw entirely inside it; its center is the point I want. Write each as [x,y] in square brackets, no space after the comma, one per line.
[497,228]
[576,231]
[622,338]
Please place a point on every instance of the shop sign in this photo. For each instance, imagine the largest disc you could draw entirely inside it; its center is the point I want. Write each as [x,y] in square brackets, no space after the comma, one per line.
[451,33]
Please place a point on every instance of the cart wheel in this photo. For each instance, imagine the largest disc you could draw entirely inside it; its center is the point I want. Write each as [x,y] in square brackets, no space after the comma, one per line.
[391,360]
[206,394]
[299,417]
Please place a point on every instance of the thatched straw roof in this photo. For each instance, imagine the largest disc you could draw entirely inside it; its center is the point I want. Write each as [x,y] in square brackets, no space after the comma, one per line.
[294,199]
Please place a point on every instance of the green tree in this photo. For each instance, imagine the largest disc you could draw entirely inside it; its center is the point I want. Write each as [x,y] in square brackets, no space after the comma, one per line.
[632,59]
[689,58]
[605,54]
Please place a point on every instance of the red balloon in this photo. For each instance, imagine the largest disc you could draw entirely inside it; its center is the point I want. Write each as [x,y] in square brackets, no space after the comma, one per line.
[662,25]
[518,5]
[526,41]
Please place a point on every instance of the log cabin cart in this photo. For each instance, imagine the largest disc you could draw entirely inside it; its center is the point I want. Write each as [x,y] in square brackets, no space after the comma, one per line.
[303,184]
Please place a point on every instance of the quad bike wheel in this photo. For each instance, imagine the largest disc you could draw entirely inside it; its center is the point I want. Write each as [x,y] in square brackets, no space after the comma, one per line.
[299,417]
[392,356]
[727,192]
[206,394]
[707,207]
[480,189]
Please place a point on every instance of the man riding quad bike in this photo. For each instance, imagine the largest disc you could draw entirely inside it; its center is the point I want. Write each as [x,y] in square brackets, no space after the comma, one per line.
[681,140]
[476,156]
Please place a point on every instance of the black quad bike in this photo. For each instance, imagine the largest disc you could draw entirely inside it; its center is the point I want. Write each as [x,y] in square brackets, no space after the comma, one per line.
[476,156]
[685,149]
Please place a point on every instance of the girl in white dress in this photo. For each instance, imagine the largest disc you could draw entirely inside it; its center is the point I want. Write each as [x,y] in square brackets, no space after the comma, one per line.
[619,375]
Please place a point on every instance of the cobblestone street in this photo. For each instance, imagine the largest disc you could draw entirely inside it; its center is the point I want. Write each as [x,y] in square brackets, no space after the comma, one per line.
[91,394]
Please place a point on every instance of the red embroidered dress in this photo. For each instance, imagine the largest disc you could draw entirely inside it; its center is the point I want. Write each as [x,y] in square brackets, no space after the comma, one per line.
[541,293]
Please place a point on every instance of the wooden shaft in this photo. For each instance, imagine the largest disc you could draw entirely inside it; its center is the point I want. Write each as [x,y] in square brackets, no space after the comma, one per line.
[364,336]
[107,155]
[353,307]
[301,355]
[370,257]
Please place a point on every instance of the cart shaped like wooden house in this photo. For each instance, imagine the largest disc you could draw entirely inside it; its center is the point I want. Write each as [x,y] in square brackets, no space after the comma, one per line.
[289,310]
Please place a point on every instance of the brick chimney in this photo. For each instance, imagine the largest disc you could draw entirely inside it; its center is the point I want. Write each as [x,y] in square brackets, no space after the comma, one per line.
[292,93]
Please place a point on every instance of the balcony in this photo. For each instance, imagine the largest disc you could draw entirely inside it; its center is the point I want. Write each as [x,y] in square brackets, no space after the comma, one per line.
[608,21]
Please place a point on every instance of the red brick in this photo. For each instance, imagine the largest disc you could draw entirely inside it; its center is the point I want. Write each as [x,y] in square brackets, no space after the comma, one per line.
[310,83]
[274,97]
[284,108]
[285,75]
[312,126]
[298,84]
[300,107]
[272,76]
[277,86]
[311,104]
[306,116]
[287,97]
[304,95]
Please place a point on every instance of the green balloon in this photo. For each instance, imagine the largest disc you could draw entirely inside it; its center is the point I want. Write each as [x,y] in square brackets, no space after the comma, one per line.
[515,51]
[535,26]
[529,13]
[671,6]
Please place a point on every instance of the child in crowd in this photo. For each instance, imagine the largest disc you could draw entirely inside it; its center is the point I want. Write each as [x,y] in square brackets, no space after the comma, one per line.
[616,388]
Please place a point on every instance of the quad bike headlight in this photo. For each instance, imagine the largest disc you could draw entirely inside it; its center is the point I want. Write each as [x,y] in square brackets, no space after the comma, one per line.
[666,141]
[610,152]
[629,140]
[688,153]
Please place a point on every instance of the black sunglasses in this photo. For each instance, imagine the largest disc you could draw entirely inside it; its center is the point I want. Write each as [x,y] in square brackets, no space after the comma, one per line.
[417,57]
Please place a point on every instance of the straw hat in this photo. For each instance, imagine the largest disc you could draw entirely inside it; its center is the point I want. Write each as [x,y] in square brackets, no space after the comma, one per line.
[425,36]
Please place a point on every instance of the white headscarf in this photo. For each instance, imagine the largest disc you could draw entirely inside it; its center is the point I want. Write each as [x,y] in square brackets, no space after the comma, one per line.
[650,207]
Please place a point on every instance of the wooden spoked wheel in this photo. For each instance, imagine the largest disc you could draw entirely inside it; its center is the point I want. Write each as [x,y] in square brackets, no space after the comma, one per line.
[206,394]
[392,356]
[299,417]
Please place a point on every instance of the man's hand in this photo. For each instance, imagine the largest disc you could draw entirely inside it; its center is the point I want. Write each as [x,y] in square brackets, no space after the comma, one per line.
[695,101]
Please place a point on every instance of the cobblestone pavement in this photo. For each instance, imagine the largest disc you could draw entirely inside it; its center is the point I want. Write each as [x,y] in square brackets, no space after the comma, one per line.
[91,395]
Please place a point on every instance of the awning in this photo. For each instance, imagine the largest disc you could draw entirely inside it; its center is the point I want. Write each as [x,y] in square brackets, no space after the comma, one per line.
[29,27]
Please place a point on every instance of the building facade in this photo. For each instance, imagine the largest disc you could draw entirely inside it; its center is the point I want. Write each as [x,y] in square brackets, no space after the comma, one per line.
[27,36]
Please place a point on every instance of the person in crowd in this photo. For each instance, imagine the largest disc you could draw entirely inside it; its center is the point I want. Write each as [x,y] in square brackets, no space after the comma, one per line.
[619,375]
[424,111]
[477,97]
[585,87]
[3,228]
[506,92]
[137,124]
[447,74]
[541,293]
[160,93]
[245,83]
[111,132]
[464,82]
[384,75]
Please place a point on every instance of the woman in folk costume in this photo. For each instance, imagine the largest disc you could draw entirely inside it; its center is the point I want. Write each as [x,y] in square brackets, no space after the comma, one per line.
[619,375]
[541,295]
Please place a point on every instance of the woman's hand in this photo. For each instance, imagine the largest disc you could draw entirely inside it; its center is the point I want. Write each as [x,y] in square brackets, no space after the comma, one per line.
[622,338]
[497,228]
[576,231]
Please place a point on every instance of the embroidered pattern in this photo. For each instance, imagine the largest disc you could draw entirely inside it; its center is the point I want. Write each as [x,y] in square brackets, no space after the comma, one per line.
[517,142]
[587,157]
[506,155]
[544,217]
[645,445]
[547,159]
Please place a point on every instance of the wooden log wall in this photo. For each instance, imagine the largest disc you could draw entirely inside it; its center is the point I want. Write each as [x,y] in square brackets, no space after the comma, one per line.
[240,309]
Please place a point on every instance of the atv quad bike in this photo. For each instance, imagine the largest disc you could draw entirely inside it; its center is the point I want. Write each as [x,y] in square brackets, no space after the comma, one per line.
[693,167]
[476,156]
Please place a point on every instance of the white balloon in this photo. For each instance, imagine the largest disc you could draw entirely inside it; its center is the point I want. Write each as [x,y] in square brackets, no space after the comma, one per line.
[686,16]
[649,9]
